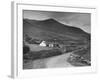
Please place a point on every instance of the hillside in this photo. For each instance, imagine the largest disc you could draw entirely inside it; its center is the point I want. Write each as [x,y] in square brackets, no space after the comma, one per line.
[51,29]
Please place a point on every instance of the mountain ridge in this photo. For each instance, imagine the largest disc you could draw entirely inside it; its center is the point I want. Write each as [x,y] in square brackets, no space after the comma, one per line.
[51,25]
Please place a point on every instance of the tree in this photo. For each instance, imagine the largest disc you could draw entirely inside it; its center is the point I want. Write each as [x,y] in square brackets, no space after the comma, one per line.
[26,49]
[27,38]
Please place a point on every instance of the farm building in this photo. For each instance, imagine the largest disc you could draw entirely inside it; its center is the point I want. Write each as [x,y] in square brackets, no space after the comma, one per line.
[43,43]
[48,44]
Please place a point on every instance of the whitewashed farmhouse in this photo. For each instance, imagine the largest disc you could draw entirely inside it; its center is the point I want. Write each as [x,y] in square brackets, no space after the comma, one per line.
[43,43]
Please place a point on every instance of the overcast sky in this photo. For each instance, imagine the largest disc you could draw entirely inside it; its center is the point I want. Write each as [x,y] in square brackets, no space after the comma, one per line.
[81,20]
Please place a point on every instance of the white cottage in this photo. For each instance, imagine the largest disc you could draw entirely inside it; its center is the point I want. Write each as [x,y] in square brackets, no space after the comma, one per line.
[43,43]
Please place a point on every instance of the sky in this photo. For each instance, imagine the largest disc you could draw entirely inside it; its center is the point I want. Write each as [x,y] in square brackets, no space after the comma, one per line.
[80,20]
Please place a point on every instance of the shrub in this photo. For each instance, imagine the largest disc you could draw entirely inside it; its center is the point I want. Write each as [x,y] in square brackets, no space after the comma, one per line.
[26,49]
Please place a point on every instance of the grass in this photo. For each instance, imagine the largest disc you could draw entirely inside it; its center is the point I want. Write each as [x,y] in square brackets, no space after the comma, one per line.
[81,57]
[37,52]
[33,55]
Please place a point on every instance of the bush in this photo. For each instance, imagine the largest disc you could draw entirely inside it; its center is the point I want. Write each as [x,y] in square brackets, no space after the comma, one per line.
[26,49]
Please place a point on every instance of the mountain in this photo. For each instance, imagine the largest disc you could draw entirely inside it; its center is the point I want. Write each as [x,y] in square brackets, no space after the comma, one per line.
[52,29]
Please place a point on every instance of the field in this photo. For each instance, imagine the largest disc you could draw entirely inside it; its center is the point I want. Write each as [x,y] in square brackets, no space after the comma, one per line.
[47,57]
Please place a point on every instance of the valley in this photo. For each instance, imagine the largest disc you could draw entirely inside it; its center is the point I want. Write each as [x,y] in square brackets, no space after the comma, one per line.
[62,45]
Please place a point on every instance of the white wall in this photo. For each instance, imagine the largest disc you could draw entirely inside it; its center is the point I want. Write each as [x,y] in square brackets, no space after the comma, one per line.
[5,35]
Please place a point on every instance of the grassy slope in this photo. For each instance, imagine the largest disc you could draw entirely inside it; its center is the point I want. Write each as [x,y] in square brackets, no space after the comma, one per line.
[53,29]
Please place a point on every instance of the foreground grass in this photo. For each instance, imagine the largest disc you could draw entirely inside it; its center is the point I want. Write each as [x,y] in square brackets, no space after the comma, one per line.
[33,55]
[39,56]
